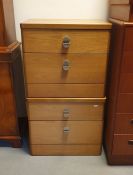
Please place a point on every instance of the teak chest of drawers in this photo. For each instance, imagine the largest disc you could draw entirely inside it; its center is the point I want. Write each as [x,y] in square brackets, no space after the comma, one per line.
[65,65]
[118,140]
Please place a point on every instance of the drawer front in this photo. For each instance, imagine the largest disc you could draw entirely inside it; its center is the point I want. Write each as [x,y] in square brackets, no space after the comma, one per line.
[126,83]
[125,103]
[65,132]
[127,63]
[128,39]
[65,90]
[69,150]
[123,145]
[79,41]
[124,124]
[61,68]
[65,111]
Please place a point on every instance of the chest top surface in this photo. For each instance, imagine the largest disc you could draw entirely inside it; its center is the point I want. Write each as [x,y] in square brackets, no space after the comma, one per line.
[65,24]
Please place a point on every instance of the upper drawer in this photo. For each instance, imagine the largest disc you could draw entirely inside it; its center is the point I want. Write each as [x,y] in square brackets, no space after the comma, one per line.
[71,68]
[42,110]
[65,41]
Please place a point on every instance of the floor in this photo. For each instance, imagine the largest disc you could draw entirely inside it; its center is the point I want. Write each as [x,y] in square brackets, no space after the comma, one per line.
[19,162]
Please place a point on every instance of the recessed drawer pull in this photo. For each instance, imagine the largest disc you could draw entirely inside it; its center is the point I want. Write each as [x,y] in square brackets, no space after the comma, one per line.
[66,129]
[66,113]
[131,121]
[66,65]
[130,142]
[66,42]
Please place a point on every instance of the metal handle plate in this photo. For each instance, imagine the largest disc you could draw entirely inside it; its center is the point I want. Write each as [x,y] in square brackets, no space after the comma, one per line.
[66,129]
[66,113]
[66,65]
[130,142]
[131,121]
[66,42]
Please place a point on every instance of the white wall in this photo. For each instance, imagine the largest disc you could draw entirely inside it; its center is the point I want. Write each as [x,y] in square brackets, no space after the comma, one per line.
[80,9]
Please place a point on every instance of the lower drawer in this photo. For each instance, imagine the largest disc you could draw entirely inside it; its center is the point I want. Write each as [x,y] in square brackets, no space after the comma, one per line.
[70,150]
[125,102]
[43,110]
[123,145]
[124,124]
[65,132]
[65,90]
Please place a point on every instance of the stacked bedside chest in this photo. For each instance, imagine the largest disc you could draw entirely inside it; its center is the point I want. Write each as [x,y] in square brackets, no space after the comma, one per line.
[65,65]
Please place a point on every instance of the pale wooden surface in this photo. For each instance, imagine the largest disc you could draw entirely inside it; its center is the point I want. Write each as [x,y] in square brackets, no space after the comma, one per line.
[54,111]
[48,68]
[65,150]
[119,1]
[52,132]
[66,24]
[50,41]
[68,100]
[121,12]
[65,90]
[51,90]
[121,22]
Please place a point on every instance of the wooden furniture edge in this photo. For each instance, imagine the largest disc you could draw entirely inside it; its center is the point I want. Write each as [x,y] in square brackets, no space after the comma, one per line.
[65,24]
[66,100]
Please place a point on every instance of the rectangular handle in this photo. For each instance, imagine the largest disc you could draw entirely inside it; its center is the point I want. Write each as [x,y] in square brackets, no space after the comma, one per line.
[130,142]
[66,129]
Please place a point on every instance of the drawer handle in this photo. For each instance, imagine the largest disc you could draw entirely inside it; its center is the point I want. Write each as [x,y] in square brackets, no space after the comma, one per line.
[66,113]
[130,142]
[66,42]
[131,121]
[66,65]
[66,129]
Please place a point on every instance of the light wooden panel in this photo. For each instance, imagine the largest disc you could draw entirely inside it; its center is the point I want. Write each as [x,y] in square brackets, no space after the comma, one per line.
[65,150]
[65,24]
[50,41]
[55,111]
[48,68]
[52,132]
[65,90]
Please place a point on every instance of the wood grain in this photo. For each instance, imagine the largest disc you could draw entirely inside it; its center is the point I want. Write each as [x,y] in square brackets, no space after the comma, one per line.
[54,111]
[50,41]
[65,150]
[124,124]
[65,90]
[52,132]
[118,2]
[65,24]
[121,146]
[121,12]
[67,100]
[48,68]
[8,121]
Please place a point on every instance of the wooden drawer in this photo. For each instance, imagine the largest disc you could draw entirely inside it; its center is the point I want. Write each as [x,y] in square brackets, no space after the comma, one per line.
[124,124]
[126,83]
[127,62]
[65,150]
[53,132]
[65,110]
[65,90]
[48,68]
[128,45]
[121,145]
[51,41]
[125,103]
